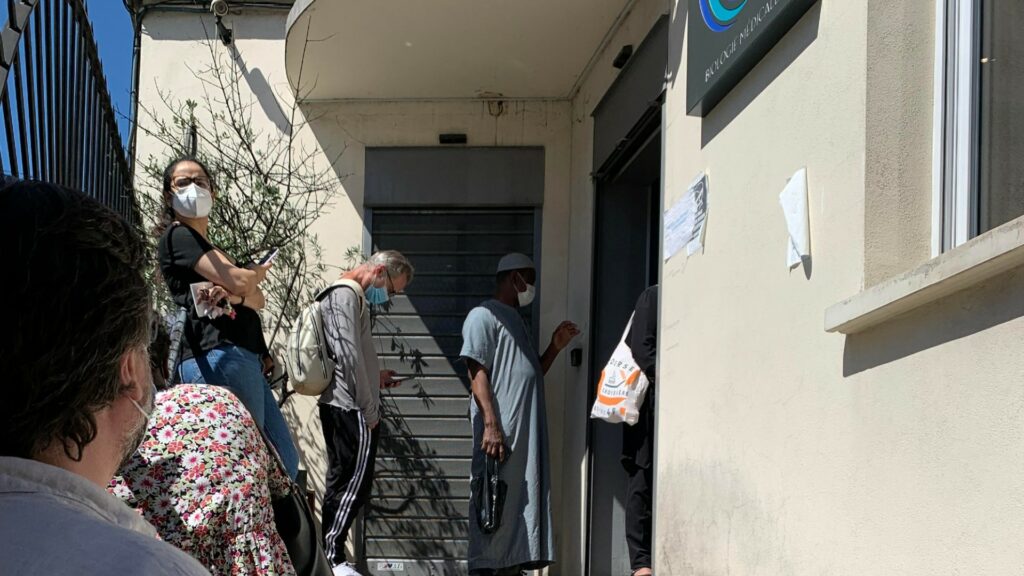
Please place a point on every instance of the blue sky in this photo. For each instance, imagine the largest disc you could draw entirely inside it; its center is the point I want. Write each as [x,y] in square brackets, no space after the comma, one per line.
[112,28]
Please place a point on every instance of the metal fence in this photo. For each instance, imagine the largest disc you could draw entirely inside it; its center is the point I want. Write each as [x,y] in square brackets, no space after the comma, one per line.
[58,121]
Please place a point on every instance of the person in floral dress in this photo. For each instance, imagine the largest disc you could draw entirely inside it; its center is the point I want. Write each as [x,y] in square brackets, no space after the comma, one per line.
[205,478]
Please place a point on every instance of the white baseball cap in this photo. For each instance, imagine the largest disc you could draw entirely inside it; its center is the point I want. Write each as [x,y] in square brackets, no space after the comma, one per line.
[515,261]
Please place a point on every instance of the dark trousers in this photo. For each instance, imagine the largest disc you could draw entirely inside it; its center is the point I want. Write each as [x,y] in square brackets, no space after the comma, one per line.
[351,450]
[637,460]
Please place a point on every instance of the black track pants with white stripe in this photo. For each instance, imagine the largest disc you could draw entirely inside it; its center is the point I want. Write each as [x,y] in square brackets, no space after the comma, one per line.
[351,450]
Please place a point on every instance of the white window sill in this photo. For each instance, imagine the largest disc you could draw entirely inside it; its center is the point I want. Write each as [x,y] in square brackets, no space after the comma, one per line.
[982,258]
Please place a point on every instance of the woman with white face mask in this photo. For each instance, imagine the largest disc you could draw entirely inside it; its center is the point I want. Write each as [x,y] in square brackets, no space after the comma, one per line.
[228,350]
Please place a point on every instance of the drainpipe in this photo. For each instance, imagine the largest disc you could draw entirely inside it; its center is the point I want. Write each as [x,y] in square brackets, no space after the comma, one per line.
[138,12]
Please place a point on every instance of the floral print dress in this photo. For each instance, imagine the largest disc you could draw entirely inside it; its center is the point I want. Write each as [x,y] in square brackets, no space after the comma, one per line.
[204,478]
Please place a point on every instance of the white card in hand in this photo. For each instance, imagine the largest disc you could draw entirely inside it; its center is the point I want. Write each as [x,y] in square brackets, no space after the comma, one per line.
[203,309]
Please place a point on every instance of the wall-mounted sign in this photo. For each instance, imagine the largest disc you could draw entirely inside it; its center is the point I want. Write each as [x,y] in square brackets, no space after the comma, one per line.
[727,38]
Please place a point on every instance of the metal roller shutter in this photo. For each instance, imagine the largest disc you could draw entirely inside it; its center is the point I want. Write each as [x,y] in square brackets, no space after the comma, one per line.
[416,523]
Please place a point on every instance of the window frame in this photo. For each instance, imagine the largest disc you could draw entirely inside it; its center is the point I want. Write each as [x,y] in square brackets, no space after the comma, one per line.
[955,214]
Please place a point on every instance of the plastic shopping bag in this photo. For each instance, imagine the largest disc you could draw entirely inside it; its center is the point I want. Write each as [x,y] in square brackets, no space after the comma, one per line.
[622,388]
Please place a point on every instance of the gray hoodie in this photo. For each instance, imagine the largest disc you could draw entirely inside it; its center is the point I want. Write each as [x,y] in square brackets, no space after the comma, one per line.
[356,381]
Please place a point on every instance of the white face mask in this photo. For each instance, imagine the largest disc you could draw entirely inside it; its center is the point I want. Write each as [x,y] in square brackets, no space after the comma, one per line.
[151,403]
[135,438]
[526,296]
[192,201]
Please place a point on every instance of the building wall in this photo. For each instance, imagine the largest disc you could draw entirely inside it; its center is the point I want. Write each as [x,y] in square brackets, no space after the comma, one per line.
[338,133]
[781,448]
[784,449]
[355,126]
[633,28]
[175,46]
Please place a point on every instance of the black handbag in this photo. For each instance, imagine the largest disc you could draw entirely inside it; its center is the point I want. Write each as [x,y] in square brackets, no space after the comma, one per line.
[489,496]
[297,527]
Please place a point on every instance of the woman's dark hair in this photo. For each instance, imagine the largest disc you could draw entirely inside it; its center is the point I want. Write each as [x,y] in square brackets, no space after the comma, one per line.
[76,302]
[159,350]
[167,212]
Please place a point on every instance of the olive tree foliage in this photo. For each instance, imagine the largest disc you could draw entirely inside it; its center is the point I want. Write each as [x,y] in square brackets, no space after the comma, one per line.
[269,187]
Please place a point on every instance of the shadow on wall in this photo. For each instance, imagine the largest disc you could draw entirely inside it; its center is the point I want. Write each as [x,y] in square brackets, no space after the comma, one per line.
[201,28]
[676,41]
[968,312]
[778,59]
[265,94]
[200,25]
[419,504]
[303,417]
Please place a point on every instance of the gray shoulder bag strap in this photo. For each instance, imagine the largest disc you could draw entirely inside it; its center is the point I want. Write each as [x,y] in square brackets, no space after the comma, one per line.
[176,333]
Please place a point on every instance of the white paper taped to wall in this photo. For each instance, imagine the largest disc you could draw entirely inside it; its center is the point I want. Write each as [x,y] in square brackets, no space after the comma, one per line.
[794,206]
[684,221]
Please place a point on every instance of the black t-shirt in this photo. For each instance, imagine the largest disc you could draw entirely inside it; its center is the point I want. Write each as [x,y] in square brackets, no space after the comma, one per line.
[638,440]
[179,250]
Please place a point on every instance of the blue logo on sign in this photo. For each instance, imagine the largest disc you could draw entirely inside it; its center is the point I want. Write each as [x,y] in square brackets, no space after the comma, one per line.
[717,16]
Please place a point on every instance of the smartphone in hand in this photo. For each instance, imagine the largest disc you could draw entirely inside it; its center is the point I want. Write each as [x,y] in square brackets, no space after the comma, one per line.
[269,256]
[396,381]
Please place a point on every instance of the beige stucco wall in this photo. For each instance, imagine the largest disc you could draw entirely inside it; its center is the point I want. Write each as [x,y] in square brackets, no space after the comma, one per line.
[357,125]
[898,168]
[633,28]
[174,47]
[783,449]
[173,42]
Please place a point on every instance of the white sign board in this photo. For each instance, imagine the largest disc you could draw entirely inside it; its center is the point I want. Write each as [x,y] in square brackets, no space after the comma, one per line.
[684,221]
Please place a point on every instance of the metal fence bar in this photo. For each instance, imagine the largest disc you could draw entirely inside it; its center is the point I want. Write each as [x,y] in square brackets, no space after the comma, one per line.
[51,99]
[58,121]
[76,123]
[35,119]
[87,139]
[12,154]
[20,99]
[22,119]
[94,138]
[65,92]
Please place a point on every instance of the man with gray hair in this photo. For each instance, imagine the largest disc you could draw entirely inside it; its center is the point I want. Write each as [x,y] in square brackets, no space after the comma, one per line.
[350,407]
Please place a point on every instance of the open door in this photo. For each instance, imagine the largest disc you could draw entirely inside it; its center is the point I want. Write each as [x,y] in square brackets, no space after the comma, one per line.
[627,207]
[625,263]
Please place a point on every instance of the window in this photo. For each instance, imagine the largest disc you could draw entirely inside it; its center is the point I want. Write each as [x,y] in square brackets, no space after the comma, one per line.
[979,144]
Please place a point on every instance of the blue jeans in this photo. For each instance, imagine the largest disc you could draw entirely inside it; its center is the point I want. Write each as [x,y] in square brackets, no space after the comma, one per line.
[241,372]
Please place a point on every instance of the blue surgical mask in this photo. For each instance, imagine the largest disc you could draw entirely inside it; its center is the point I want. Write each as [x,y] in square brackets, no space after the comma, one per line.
[378,296]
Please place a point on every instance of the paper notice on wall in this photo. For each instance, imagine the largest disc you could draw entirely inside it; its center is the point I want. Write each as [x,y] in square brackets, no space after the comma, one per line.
[684,221]
[794,205]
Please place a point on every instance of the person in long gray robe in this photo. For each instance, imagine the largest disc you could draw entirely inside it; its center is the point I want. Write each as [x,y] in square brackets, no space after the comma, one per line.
[510,423]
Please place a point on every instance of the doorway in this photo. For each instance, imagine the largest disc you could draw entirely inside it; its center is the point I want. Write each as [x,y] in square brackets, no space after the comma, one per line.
[627,218]
[454,212]
[626,253]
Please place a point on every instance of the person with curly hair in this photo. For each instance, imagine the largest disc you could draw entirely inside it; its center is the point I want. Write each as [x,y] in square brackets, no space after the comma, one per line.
[76,388]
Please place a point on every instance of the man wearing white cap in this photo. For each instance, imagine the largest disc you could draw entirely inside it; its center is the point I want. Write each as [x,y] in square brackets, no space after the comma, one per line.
[510,423]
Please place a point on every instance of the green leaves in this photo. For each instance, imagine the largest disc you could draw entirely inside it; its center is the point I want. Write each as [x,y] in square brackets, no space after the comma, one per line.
[269,189]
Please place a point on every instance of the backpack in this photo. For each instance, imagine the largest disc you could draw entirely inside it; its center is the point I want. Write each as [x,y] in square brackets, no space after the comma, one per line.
[309,359]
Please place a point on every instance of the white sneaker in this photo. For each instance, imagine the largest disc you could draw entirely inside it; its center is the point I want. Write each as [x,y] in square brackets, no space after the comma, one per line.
[346,569]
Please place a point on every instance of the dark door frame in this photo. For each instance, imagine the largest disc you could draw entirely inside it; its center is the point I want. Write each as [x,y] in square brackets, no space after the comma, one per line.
[646,129]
